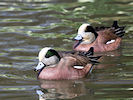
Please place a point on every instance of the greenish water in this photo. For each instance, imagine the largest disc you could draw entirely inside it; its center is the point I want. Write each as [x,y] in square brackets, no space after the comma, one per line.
[26,26]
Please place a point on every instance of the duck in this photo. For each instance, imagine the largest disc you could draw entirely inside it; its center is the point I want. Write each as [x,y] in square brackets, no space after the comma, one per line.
[53,67]
[102,39]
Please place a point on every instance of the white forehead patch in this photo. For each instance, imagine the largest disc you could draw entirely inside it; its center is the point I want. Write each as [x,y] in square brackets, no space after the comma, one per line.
[82,28]
[43,52]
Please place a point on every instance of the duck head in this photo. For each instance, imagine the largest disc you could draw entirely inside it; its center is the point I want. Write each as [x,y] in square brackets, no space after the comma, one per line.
[47,56]
[86,35]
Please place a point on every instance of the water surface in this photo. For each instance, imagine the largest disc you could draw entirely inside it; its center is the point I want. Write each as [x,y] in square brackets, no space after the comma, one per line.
[26,26]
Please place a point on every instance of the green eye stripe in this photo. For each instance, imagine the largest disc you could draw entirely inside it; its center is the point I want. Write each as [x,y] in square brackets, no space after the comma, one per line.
[49,54]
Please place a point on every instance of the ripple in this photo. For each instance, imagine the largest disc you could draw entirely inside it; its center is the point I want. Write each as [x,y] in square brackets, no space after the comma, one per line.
[15,20]
[50,35]
[17,88]
[5,65]
[86,0]
[10,76]
[23,58]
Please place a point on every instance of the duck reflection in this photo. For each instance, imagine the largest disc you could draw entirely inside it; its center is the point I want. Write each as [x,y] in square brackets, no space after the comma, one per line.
[63,89]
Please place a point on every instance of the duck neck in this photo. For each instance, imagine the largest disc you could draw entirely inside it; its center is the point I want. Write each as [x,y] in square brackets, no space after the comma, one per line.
[88,40]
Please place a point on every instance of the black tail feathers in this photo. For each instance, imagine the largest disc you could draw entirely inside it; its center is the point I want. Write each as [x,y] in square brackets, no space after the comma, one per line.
[115,24]
[93,60]
[90,52]
[119,30]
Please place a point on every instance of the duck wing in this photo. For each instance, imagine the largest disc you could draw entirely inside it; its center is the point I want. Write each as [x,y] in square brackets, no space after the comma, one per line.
[84,58]
[90,52]
[66,53]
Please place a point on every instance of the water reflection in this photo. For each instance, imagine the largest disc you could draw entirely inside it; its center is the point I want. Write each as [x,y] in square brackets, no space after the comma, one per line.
[64,89]
[78,88]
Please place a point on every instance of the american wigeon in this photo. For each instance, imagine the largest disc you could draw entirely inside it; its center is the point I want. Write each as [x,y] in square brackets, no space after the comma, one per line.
[52,67]
[101,38]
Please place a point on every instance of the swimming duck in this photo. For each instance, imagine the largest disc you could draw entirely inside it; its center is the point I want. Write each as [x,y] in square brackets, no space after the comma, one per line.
[101,38]
[52,67]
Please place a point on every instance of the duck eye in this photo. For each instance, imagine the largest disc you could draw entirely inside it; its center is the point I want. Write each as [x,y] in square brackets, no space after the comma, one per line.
[89,29]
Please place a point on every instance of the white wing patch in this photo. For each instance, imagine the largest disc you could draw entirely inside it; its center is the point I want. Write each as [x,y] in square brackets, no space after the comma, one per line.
[78,67]
[110,41]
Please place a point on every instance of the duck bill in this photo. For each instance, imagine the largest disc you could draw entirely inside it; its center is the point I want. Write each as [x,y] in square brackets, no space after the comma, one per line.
[78,40]
[78,37]
[40,66]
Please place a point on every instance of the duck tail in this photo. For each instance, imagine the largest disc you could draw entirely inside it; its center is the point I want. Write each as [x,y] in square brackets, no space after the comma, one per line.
[90,52]
[115,24]
[95,58]
[119,30]
[94,61]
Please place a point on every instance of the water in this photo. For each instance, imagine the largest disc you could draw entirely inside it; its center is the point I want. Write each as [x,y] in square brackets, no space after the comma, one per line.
[26,26]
